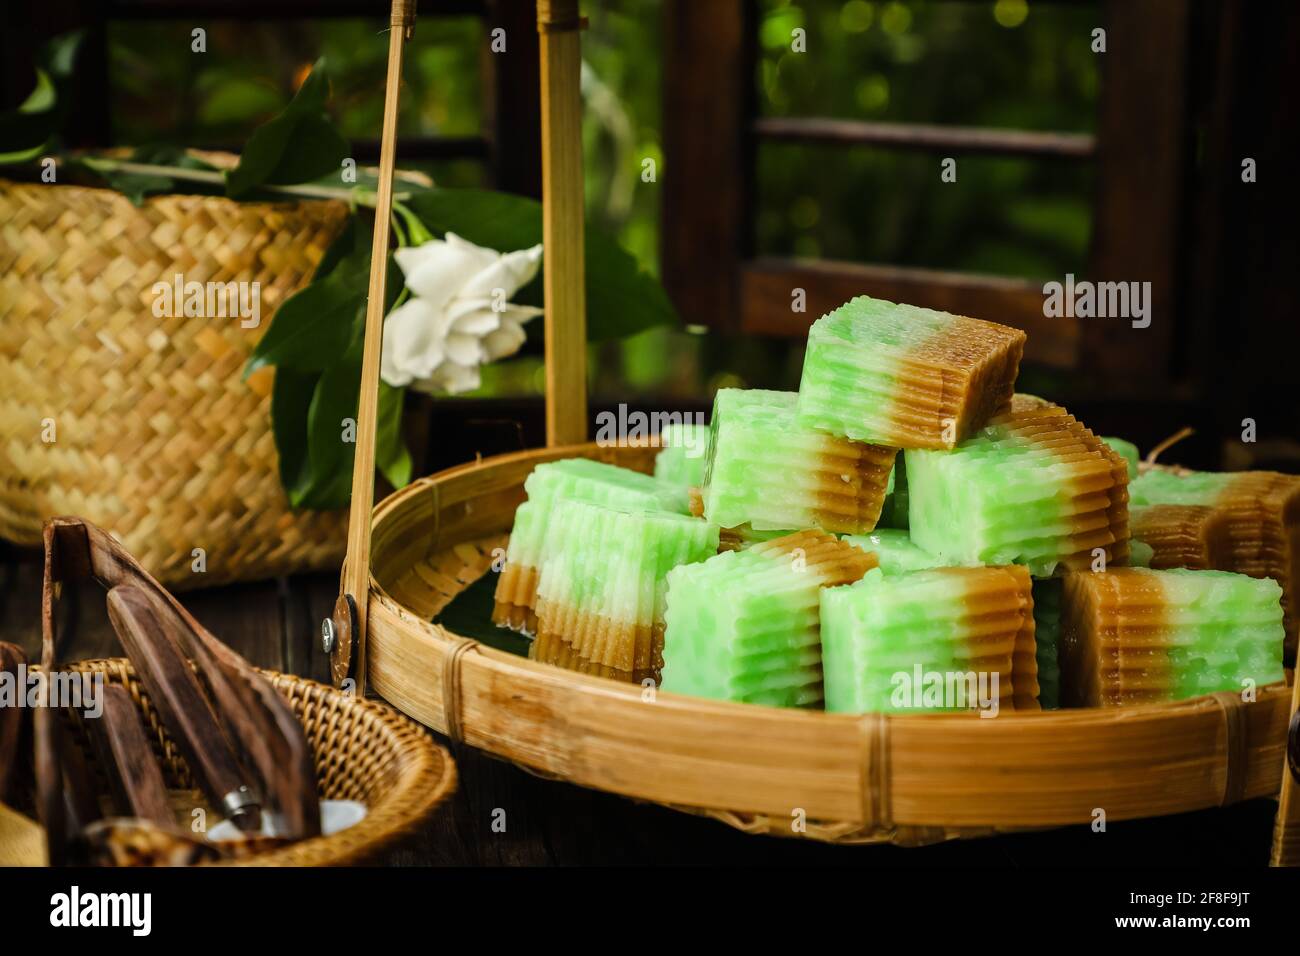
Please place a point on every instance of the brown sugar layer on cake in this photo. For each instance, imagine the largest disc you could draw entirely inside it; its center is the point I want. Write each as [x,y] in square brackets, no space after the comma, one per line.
[899,375]
[1136,635]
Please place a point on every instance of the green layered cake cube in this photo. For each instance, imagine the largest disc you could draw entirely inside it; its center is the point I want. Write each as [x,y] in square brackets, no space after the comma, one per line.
[768,472]
[1134,635]
[903,376]
[1033,487]
[931,640]
[743,625]
[603,579]
[569,479]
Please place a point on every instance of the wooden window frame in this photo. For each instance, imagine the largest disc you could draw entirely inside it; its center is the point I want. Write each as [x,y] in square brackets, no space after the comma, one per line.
[712,131]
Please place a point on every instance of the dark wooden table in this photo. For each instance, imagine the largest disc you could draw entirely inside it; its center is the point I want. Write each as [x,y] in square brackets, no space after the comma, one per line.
[276,624]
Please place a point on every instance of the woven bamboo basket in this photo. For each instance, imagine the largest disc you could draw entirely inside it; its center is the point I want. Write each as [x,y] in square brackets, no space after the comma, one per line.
[908,779]
[363,751]
[157,437]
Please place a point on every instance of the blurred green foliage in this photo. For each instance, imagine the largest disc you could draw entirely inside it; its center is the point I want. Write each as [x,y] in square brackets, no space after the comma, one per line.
[164,92]
[1007,64]
[997,63]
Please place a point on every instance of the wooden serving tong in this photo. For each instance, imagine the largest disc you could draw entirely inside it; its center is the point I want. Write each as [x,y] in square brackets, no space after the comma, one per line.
[241,741]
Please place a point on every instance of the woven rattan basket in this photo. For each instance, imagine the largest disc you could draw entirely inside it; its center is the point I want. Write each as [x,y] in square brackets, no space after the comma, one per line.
[156,436]
[363,751]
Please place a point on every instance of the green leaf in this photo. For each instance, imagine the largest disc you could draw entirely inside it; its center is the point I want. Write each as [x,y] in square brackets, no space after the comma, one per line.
[290,399]
[312,328]
[469,614]
[134,186]
[351,241]
[25,132]
[392,456]
[165,154]
[60,54]
[622,299]
[297,145]
[30,125]
[327,482]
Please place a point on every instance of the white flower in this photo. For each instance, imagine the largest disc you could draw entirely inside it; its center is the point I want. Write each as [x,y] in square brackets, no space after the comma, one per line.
[458,316]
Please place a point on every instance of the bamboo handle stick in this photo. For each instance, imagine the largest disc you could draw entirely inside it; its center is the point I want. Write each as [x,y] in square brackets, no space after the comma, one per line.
[1286,828]
[563,283]
[356,566]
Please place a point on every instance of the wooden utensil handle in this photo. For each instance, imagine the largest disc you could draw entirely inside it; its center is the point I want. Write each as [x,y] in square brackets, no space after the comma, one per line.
[12,661]
[175,691]
[268,736]
[127,758]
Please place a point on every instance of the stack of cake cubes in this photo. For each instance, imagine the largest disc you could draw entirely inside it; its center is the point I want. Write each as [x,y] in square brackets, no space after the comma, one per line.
[904,533]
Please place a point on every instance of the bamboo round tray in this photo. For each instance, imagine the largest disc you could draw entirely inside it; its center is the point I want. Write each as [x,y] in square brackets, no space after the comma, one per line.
[906,779]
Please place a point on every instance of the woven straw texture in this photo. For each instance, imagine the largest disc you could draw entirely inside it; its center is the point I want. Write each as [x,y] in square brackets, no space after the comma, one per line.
[363,751]
[157,437]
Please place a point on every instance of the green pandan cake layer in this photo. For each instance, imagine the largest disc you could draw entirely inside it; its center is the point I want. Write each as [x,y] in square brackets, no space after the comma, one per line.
[886,635]
[744,625]
[770,473]
[604,575]
[895,550]
[1034,487]
[740,626]
[1047,638]
[1223,628]
[582,479]
[1170,488]
[1134,635]
[684,455]
[1126,450]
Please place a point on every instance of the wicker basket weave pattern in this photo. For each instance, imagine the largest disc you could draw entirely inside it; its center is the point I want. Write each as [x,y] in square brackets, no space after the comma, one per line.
[156,435]
[363,751]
